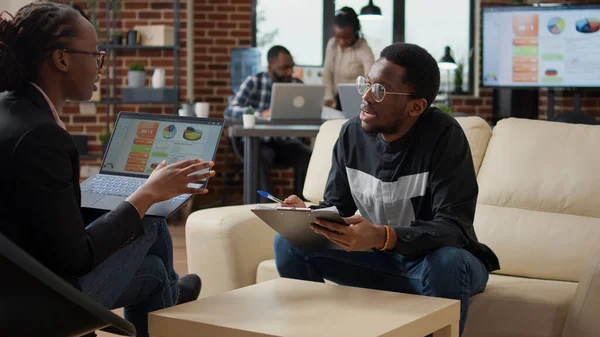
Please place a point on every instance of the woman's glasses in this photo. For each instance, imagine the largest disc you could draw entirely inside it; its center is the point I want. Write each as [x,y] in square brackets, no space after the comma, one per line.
[100,55]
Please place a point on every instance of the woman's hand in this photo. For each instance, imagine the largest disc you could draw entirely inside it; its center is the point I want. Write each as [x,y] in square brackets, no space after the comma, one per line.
[169,181]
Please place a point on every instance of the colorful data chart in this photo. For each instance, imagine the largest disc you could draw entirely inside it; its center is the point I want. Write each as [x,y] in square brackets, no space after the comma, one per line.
[587,25]
[141,147]
[556,25]
[169,132]
[192,134]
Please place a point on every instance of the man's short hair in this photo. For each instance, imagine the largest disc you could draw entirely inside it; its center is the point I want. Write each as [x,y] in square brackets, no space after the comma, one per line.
[422,71]
[275,51]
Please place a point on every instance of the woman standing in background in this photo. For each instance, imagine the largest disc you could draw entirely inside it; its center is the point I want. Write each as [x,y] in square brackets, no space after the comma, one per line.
[347,55]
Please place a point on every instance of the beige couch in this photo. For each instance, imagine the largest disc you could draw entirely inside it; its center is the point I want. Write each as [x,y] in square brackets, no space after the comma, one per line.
[538,209]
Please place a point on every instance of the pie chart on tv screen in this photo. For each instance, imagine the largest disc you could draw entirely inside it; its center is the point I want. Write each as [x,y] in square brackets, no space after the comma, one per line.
[587,25]
[556,25]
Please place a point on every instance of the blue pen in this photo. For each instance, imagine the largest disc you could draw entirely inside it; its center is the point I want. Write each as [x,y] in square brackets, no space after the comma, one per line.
[269,196]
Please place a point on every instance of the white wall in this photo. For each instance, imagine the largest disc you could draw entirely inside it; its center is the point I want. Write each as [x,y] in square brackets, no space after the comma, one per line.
[12,6]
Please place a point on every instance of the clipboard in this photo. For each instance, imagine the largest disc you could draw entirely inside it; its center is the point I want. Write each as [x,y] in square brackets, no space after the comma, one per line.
[294,225]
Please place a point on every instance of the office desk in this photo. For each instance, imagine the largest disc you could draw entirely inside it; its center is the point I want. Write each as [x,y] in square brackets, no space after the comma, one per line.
[252,138]
[229,122]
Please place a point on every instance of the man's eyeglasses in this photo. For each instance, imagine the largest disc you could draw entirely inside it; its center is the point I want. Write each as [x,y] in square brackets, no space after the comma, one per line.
[377,90]
[100,55]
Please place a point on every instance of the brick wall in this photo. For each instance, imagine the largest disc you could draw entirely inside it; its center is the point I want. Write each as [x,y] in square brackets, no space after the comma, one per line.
[482,105]
[219,26]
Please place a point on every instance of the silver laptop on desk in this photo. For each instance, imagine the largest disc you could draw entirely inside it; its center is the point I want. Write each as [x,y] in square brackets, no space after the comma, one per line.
[350,100]
[137,145]
[295,101]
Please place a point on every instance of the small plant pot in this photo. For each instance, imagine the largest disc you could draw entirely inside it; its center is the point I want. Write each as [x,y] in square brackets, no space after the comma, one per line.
[136,79]
[249,121]
[458,91]
[116,40]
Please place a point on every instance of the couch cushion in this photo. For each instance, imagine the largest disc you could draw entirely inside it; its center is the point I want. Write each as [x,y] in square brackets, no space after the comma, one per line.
[225,246]
[478,134]
[266,271]
[519,307]
[320,160]
[540,180]
[538,244]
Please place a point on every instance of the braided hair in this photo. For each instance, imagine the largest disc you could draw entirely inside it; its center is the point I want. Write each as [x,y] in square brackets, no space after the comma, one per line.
[347,17]
[31,36]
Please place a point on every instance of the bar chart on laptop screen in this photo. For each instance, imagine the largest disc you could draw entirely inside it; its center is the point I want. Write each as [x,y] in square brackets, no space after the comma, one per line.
[139,146]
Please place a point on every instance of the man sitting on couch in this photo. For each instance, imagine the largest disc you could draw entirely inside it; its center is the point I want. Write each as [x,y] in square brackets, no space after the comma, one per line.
[407,167]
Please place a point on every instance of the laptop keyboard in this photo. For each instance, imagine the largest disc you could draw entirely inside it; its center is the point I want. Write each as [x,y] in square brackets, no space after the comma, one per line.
[117,186]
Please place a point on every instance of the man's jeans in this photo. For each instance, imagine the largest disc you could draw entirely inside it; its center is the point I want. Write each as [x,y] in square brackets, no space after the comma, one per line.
[447,272]
[140,277]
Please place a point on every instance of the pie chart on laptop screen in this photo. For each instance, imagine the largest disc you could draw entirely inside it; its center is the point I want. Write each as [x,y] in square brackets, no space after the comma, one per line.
[169,132]
[192,134]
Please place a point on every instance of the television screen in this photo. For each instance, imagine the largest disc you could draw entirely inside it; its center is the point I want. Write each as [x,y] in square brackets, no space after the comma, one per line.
[527,46]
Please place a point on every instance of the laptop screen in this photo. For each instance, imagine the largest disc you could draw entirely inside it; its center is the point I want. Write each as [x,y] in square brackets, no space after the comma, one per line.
[141,141]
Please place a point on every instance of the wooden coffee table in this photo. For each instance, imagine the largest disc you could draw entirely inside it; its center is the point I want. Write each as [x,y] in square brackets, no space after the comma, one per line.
[285,307]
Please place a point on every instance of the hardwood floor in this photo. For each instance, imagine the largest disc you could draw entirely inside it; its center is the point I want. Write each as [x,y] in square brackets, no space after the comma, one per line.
[179,257]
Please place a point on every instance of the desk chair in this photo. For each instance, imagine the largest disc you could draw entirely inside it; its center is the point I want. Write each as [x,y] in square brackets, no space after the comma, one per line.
[36,302]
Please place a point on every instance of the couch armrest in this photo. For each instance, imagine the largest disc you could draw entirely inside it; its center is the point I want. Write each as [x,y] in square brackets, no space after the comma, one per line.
[225,246]
[582,319]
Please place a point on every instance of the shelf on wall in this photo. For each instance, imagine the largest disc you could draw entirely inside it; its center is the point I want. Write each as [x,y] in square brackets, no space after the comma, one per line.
[110,98]
[147,102]
[89,102]
[137,47]
[90,156]
[125,102]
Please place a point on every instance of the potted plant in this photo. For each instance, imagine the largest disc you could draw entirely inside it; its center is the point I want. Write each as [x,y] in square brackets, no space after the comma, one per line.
[248,118]
[104,137]
[136,76]
[116,37]
[92,5]
[458,78]
[444,108]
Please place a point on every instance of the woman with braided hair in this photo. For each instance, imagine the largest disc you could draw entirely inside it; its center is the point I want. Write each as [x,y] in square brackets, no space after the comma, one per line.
[48,55]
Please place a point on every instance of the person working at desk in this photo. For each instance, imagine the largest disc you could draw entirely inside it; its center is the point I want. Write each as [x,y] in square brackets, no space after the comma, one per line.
[48,55]
[255,92]
[407,167]
[347,55]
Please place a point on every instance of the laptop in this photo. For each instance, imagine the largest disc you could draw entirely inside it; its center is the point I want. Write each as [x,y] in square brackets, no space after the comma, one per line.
[139,142]
[296,101]
[350,100]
